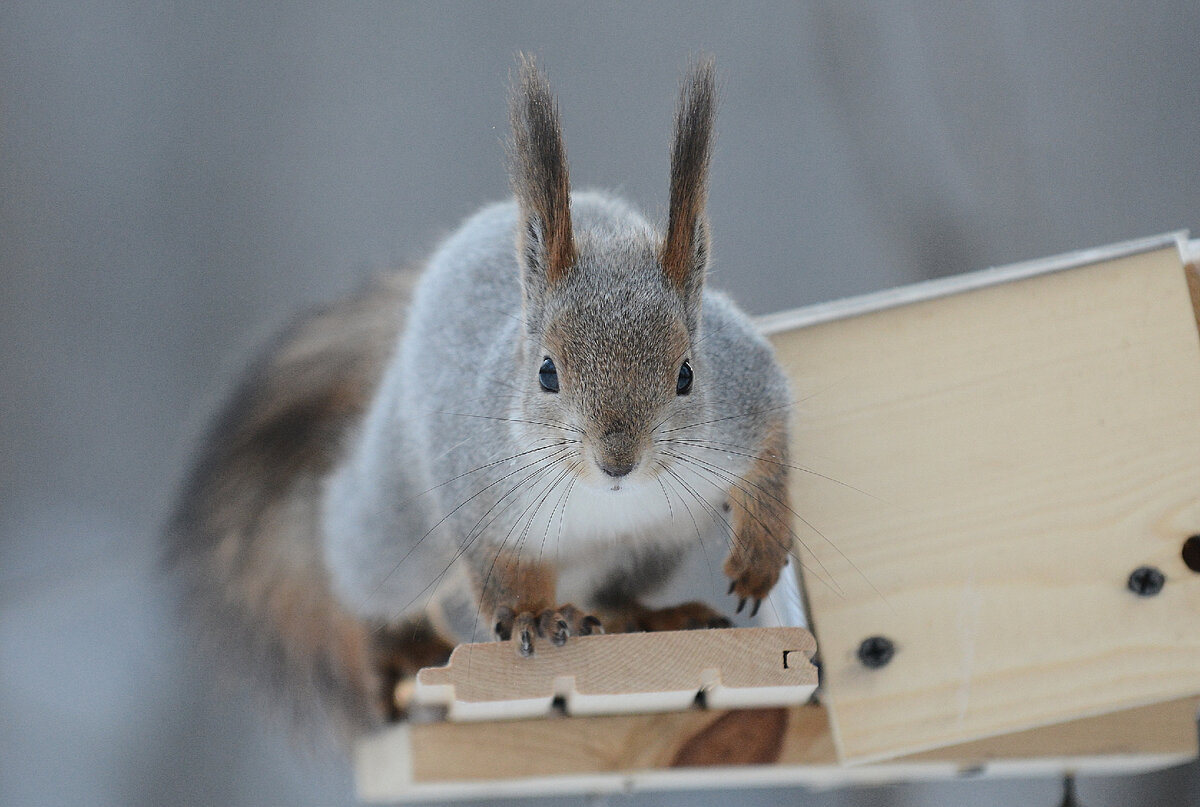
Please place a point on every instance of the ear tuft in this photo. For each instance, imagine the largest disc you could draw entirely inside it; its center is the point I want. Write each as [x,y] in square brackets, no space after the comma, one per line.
[684,252]
[538,170]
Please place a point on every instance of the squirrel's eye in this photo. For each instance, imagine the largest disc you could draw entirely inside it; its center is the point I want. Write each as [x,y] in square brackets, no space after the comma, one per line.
[683,385]
[548,375]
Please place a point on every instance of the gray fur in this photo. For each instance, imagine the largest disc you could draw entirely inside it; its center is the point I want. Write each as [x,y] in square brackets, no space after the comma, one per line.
[375,461]
[463,454]
[463,393]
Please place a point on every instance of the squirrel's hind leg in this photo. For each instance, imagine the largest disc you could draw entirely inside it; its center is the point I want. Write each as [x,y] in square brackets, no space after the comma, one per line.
[399,652]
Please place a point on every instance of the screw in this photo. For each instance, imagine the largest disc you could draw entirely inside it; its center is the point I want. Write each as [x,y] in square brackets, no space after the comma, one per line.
[876,651]
[1146,581]
[1191,553]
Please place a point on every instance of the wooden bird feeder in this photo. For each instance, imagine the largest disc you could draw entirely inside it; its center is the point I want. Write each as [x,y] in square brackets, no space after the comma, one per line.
[1003,581]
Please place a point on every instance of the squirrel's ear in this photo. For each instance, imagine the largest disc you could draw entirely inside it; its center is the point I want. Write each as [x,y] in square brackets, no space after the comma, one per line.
[685,250]
[538,170]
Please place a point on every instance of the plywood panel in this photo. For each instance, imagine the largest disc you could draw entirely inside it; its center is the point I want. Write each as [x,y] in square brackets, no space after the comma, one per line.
[1004,458]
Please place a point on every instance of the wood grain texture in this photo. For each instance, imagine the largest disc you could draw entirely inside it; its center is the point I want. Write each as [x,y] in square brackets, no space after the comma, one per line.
[1004,457]
[784,745]
[629,672]
[1163,729]
[745,737]
[451,752]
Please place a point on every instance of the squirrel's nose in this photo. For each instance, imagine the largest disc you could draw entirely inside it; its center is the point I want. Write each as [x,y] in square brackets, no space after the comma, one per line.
[616,469]
[617,455]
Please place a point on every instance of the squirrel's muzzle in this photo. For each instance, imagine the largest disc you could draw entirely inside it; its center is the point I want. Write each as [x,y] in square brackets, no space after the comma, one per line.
[616,454]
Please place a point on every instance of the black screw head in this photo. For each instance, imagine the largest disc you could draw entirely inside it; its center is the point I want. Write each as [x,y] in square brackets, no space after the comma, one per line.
[1146,581]
[1191,553]
[876,651]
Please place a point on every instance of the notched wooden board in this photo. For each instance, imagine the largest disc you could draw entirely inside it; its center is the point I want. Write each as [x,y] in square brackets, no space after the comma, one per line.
[623,673]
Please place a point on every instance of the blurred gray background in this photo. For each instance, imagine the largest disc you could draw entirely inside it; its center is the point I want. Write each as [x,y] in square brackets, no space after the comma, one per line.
[175,179]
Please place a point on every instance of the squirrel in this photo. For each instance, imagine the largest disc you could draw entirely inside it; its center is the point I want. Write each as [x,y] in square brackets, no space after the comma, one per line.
[507,444]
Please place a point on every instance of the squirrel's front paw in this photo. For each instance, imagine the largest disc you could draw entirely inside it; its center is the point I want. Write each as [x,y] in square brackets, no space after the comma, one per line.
[557,624]
[753,569]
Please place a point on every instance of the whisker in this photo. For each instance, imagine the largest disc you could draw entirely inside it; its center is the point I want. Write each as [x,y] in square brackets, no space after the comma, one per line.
[559,443]
[475,532]
[712,511]
[825,577]
[713,446]
[670,509]
[541,500]
[712,575]
[732,479]
[676,413]
[480,526]
[751,413]
[571,469]
[547,424]
[551,459]
[487,578]
[566,502]
[667,469]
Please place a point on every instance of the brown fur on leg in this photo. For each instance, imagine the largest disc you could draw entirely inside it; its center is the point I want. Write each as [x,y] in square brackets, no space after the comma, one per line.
[761,523]
[520,594]
[399,652]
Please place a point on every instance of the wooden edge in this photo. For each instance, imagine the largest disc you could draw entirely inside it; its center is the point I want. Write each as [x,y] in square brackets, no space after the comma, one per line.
[761,747]
[1192,272]
[955,284]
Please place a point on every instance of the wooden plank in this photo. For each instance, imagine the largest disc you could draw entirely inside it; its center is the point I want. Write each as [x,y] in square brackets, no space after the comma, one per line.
[1162,729]
[784,745]
[1005,458]
[631,672]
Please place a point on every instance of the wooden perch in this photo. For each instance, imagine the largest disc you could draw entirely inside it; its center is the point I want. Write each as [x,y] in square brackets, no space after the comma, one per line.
[622,673]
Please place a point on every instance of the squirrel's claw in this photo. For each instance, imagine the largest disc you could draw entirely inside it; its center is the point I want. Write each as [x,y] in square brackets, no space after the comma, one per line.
[504,624]
[555,624]
[590,625]
[752,575]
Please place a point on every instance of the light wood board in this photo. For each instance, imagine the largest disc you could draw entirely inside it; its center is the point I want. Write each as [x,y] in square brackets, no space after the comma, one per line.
[1004,458]
[630,672]
[695,748]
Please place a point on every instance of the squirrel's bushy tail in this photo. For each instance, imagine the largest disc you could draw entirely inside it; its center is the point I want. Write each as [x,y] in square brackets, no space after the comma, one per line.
[244,539]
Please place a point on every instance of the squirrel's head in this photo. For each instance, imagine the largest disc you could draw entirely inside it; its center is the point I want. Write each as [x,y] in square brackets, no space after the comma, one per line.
[612,318]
